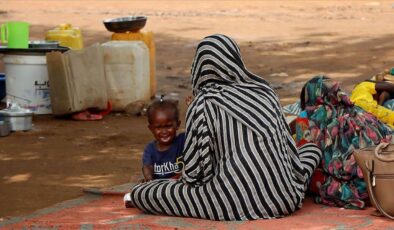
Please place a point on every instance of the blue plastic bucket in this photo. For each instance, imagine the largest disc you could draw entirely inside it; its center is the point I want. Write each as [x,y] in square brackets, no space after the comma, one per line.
[2,86]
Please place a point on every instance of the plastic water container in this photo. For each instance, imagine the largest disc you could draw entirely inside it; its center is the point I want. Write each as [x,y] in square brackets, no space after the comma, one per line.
[67,36]
[126,65]
[2,86]
[27,82]
[146,37]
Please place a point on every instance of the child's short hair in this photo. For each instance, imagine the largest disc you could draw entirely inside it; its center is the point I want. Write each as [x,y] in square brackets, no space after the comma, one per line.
[162,105]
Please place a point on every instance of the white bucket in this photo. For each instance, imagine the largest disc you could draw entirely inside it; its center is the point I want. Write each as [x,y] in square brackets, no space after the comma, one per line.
[27,82]
[127,72]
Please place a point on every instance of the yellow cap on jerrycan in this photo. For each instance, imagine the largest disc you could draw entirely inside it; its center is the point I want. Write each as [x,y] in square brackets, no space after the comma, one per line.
[67,36]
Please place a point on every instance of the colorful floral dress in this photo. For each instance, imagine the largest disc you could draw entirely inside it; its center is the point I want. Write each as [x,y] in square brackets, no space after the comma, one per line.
[331,121]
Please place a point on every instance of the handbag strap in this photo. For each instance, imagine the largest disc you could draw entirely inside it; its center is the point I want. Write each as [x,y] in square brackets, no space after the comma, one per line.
[372,194]
[379,149]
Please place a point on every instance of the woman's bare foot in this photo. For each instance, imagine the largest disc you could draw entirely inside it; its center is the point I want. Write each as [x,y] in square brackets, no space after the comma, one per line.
[128,204]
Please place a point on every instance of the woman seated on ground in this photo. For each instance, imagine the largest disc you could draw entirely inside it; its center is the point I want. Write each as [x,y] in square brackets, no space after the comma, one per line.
[338,127]
[376,96]
[241,162]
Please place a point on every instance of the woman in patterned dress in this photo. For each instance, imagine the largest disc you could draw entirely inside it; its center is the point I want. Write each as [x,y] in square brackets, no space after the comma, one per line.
[240,161]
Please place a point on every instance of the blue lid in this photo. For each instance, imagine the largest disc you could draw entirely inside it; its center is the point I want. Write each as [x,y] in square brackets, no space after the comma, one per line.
[2,86]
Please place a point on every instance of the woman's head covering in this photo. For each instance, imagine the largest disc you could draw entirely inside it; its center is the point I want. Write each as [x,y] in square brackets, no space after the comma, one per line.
[322,90]
[218,59]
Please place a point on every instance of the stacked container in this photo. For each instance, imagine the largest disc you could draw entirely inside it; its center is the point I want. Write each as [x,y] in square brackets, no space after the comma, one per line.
[27,82]
[67,35]
[126,66]
[147,38]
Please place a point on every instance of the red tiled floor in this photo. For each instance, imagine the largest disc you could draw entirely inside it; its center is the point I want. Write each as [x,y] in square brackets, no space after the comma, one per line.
[104,212]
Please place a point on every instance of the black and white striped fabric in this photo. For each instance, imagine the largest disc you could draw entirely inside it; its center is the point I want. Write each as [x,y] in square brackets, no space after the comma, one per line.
[240,160]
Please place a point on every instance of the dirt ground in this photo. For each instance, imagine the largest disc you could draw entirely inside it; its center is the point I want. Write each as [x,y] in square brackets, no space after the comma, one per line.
[286,42]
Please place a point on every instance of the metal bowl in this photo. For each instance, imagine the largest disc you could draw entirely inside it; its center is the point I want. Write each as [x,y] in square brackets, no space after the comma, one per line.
[125,24]
[19,120]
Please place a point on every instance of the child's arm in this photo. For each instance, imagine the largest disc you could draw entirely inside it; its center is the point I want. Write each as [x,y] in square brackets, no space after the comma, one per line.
[384,86]
[147,170]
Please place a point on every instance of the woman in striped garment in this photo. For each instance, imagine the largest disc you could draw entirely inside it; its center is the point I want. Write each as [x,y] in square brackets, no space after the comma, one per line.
[240,161]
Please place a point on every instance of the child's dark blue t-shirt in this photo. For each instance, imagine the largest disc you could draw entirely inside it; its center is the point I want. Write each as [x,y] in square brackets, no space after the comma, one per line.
[164,163]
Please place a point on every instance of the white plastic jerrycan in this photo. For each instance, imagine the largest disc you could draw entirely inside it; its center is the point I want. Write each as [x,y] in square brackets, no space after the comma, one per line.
[127,73]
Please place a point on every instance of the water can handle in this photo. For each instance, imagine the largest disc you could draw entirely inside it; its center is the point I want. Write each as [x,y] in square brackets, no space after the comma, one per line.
[65,26]
[4,33]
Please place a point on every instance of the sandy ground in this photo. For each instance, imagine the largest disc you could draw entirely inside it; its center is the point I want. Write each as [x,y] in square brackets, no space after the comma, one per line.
[286,42]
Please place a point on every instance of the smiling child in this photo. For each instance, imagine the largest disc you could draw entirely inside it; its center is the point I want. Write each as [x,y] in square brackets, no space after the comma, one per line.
[161,158]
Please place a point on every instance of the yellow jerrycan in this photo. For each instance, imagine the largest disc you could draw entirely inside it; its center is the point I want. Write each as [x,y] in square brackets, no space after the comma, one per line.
[147,38]
[67,36]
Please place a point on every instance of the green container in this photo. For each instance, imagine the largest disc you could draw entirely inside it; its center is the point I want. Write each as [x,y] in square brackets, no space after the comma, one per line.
[392,71]
[15,34]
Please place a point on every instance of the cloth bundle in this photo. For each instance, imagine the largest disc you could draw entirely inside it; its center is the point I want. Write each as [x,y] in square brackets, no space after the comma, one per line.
[338,127]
